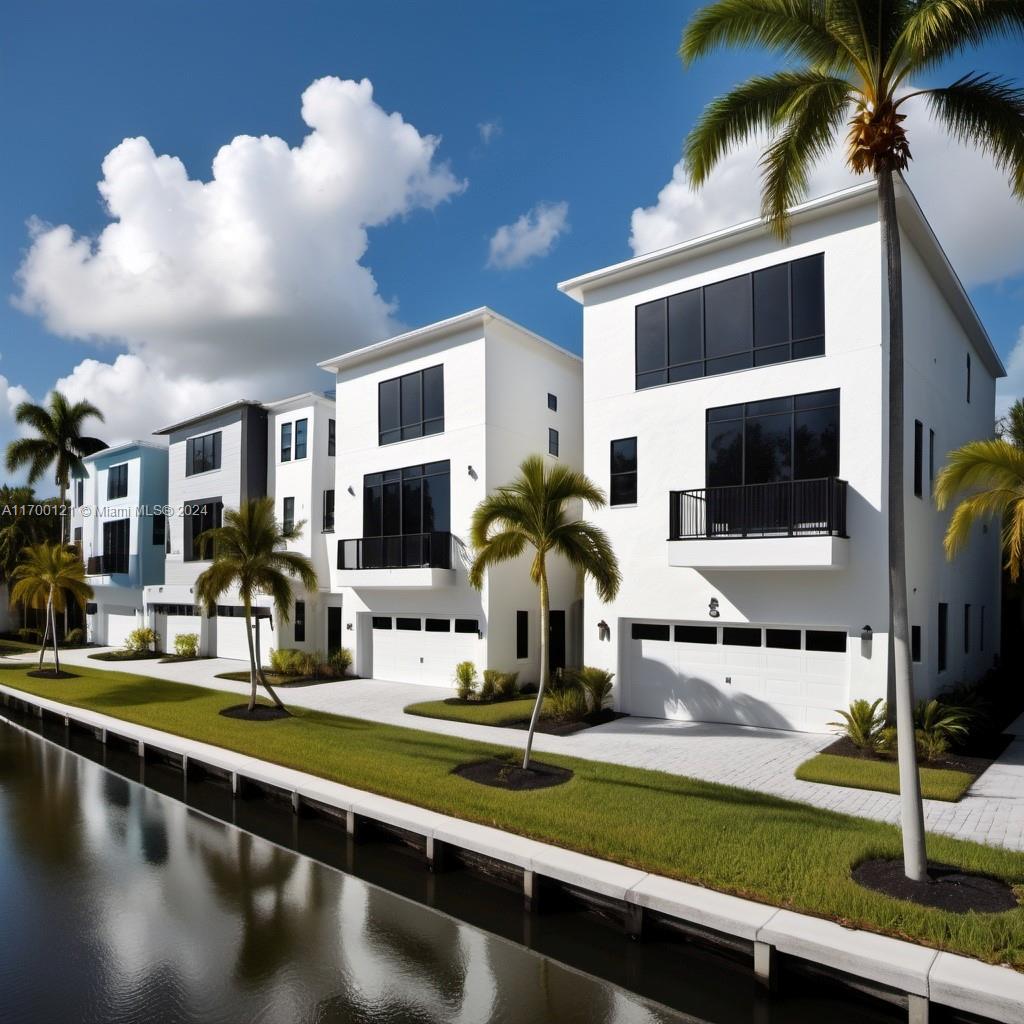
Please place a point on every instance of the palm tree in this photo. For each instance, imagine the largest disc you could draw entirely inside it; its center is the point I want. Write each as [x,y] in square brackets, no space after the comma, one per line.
[20,529]
[537,510]
[49,576]
[249,555]
[59,443]
[993,471]
[852,61]
[1011,426]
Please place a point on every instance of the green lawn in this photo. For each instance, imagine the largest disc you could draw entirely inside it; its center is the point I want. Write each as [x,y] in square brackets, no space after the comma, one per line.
[936,783]
[504,712]
[734,840]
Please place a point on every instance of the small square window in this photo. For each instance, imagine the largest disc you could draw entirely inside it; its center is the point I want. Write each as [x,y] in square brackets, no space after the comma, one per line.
[783,639]
[439,625]
[552,402]
[467,626]
[382,622]
[696,634]
[741,636]
[651,631]
[831,640]
[409,624]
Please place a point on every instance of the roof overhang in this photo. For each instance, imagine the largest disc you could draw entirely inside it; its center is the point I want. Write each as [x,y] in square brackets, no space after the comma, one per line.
[199,417]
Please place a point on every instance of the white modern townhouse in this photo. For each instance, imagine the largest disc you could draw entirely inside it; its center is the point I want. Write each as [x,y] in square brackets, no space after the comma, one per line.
[735,408]
[217,461]
[118,524]
[429,423]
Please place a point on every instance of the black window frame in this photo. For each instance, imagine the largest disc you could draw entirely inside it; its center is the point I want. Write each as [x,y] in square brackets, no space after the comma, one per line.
[413,427]
[373,482]
[738,636]
[805,402]
[299,623]
[693,303]
[437,625]
[287,513]
[466,626]
[117,481]
[660,631]
[783,638]
[80,492]
[381,622]
[617,478]
[301,439]
[332,437]
[553,442]
[522,635]
[409,623]
[687,633]
[117,540]
[915,644]
[327,510]
[198,516]
[942,638]
[285,447]
[159,535]
[552,402]
[918,458]
[203,453]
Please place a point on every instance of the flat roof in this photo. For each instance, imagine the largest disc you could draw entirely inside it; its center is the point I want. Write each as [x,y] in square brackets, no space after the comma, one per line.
[305,398]
[199,417]
[124,446]
[431,332]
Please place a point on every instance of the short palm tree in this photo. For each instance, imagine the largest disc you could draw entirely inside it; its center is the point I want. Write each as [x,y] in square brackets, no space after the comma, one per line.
[48,577]
[851,62]
[249,556]
[993,473]
[59,443]
[538,510]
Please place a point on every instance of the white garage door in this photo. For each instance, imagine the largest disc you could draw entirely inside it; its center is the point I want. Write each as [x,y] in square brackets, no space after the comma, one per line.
[233,643]
[120,622]
[779,678]
[423,649]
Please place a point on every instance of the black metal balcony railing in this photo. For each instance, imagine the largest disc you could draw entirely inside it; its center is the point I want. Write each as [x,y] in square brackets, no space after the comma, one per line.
[788,508]
[106,565]
[408,551]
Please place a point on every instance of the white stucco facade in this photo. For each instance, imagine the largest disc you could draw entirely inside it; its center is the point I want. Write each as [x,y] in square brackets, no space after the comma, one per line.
[829,584]
[415,621]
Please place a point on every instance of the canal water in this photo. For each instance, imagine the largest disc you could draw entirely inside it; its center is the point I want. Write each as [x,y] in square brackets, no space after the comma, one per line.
[128,900]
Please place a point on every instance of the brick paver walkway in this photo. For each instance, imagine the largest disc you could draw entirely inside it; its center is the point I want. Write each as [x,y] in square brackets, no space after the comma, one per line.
[758,759]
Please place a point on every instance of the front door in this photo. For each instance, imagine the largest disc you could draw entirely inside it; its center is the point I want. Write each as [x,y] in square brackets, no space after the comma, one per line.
[333,629]
[556,641]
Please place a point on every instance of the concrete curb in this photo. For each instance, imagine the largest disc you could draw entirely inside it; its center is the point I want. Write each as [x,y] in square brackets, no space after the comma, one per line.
[920,973]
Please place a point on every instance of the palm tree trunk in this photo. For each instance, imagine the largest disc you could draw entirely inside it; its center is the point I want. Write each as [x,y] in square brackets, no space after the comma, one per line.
[915,861]
[252,657]
[262,675]
[65,538]
[56,649]
[46,634]
[545,619]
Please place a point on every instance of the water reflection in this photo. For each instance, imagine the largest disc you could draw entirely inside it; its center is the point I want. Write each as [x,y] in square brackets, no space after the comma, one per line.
[121,904]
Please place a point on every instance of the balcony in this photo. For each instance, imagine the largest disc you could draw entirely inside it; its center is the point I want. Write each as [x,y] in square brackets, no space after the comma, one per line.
[106,565]
[409,561]
[790,524]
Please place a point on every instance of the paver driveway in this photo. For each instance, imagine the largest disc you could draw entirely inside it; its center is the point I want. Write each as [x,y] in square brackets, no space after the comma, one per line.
[758,759]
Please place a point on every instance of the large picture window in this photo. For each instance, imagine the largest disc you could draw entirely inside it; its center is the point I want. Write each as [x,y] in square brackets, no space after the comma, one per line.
[116,535]
[199,516]
[792,438]
[770,316]
[406,502]
[411,405]
[202,454]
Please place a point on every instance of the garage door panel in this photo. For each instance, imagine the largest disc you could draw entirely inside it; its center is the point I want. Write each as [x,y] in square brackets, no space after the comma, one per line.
[422,656]
[119,623]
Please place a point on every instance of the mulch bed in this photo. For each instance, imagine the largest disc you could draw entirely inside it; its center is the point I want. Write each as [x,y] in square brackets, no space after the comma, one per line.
[261,713]
[175,659]
[506,775]
[558,727]
[949,888]
[973,764]
[126,656]
[49,673]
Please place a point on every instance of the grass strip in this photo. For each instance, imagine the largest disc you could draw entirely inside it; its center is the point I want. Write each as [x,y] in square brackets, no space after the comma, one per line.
[504,712]
[738,841]
[883,776]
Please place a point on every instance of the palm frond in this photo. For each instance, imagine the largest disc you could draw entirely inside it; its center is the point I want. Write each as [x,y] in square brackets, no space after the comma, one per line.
[987,112]
[586,547]
[35,453]
[992,464]
[498,548]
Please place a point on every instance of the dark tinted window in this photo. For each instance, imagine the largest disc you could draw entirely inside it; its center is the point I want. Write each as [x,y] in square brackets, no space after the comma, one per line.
[467,626]
[115,546]
[741,636]
[786,639]
[650,631]
[328,526]
[943,635]
[438,625]
[382,622]
[770,316]
[408,501]
[696,634]
[411,405]
[200,516]
[300,439]
[286,442]
[117,481]
[522,634]
[288,513]
[202,454]
[300,621]
[915,643]
[623,476]
[918,458]
[552,441]
[967,629]
[408,624]
[159,528]
[825,640]
[332,437]
[552,402]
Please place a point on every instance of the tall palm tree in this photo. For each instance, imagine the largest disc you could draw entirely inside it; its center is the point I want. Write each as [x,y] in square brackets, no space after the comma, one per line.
[59,443]
[249,556]
[50,576]
[993,472]
[851,62]
[538,510]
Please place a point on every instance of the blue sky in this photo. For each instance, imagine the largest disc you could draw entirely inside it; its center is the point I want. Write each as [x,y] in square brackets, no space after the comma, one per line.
[589,99]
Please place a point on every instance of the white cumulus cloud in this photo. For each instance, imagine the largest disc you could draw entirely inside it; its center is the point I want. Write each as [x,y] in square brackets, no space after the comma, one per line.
[532,235]
[256,272]
[966,200]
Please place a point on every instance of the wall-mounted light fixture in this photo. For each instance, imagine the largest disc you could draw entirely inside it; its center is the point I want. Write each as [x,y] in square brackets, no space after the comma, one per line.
[351,490]
[471,471]
[604,631]
[348,625]
[866,633]
[713,608]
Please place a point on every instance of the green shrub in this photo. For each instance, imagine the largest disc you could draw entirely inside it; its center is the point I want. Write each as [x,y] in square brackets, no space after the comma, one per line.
[30,635]
[489,687]
[340,661]
[289,661]
[75,636]
[142,639]
[186,645]
[567,703]
[465,679]
[938,726]
[864,724]
[596,683]
[506,685]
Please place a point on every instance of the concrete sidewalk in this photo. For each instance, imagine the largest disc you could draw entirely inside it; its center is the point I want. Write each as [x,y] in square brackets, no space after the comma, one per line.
[759,759]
